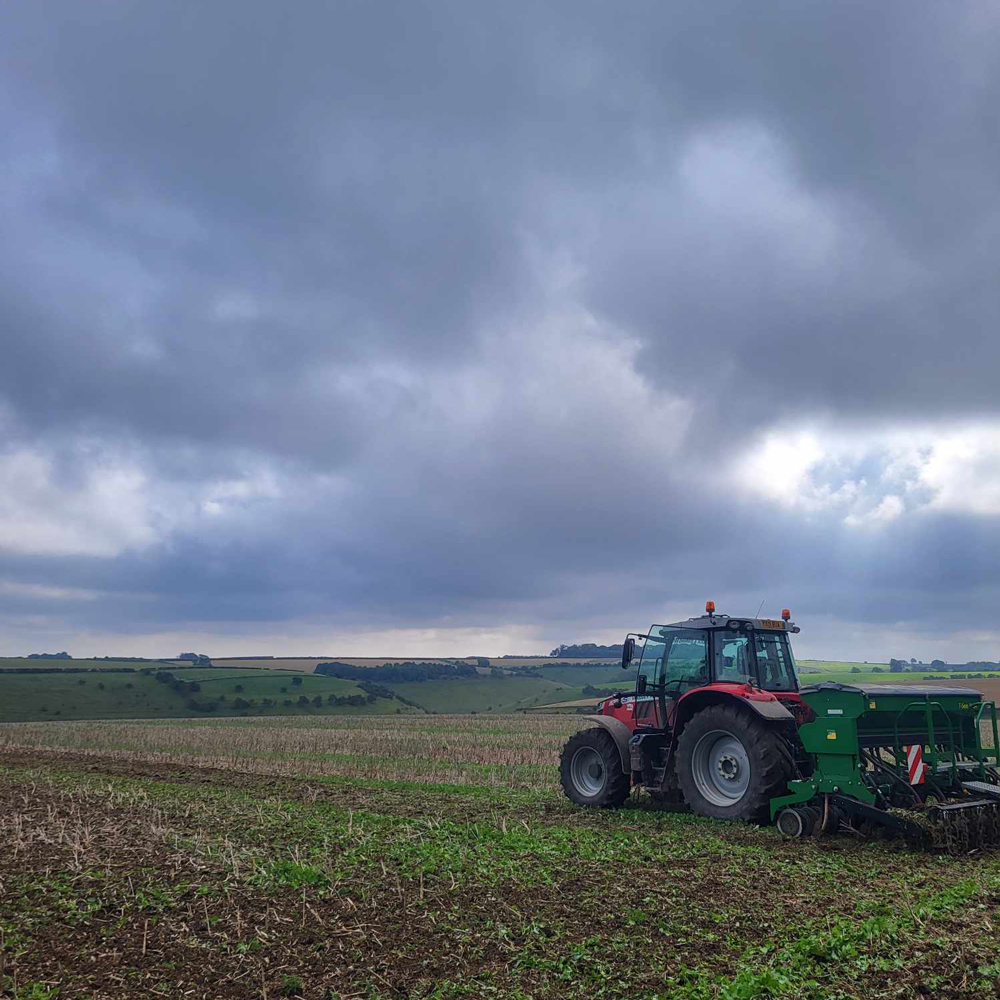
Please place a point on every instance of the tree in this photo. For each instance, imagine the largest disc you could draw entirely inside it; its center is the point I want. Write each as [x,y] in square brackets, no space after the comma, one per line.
[913,659]
[297,681]
[318,701]
[589,649]
[938,664]
[855,670]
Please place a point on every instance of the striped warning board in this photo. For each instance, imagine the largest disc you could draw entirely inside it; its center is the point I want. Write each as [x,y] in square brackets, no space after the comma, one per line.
[915,764]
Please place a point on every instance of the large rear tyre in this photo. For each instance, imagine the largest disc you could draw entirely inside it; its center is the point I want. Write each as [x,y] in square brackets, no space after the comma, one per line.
[590,770]
[731,764]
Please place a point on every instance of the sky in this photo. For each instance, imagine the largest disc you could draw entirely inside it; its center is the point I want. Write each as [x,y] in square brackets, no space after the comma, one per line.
[451,329]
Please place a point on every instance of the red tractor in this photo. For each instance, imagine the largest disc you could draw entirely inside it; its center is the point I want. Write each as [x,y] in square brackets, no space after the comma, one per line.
[711,723]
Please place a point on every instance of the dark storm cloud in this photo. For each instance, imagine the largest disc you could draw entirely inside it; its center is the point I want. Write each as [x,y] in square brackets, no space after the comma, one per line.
[446,313]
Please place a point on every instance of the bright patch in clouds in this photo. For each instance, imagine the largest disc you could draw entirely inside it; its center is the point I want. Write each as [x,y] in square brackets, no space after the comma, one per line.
[99,515]
[99,502]
[872,479]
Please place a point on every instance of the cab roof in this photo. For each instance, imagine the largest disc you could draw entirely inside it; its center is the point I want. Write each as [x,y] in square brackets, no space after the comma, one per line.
[722,621]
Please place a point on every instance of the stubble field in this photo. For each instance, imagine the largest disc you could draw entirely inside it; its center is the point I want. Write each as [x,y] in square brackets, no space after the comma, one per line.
[434,856]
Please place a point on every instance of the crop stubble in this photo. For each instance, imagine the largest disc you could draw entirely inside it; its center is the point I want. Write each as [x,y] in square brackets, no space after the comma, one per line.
[434,857]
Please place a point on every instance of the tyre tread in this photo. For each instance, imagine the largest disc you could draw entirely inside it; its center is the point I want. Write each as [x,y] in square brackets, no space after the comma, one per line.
[619,784]
[771,763]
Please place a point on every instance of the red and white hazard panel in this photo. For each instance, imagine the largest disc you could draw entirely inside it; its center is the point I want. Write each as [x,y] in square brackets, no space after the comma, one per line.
[915,764]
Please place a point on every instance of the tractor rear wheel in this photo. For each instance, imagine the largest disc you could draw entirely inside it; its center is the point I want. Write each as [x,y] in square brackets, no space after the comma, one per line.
[731,764]
[590,770]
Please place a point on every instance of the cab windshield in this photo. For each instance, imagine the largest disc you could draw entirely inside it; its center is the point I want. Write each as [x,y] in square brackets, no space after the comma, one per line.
[775,663]
[735,656]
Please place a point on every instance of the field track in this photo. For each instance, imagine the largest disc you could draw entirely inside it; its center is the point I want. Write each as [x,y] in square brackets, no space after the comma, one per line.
[435,857]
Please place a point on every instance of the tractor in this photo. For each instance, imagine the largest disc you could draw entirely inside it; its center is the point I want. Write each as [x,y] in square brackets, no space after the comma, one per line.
[718,723]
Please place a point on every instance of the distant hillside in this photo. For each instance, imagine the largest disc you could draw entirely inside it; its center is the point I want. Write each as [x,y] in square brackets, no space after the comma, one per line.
[126,693]
[587,649]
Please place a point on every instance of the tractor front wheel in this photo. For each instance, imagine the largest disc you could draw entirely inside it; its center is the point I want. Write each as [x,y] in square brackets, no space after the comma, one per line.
[731,764]
[590,770]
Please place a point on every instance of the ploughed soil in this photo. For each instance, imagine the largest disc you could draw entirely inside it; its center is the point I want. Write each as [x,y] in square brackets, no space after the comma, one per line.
[104,894]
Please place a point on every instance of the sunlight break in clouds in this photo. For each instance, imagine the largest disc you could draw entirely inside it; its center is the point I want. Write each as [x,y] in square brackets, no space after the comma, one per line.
[870,478]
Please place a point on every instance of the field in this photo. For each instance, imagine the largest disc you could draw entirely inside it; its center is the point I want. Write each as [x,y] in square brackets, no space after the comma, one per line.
[20,662]
[435,857]
[308,663]
[838,666]
[483,694]
[599,676]
[25,697]
[109,695]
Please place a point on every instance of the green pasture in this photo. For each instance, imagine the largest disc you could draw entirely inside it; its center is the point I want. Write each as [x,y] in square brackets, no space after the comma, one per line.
[483,694]
[55,696]
[20,662]
[599,675]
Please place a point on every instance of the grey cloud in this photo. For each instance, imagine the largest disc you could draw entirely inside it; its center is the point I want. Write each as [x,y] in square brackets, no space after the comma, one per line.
[317,243]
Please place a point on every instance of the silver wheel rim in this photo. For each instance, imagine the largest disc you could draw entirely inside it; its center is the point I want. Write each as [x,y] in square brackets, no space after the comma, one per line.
[721,768]
[588,771]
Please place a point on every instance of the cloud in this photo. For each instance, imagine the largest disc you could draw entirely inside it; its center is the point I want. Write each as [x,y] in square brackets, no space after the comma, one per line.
[880,475]
[523,323]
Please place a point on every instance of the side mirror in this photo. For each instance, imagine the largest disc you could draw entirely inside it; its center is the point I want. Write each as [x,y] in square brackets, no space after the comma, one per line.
[628,649]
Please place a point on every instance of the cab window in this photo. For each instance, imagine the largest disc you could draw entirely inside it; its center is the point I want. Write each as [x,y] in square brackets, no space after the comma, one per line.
[651,664]
[775,667]
[676,658]
[732,658]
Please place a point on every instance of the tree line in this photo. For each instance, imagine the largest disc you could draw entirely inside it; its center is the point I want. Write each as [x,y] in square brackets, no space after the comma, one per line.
[396,672]
[589,649]
[918,666]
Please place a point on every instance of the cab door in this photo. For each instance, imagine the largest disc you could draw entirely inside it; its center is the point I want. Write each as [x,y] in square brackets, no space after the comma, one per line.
[648,707]
[674,660]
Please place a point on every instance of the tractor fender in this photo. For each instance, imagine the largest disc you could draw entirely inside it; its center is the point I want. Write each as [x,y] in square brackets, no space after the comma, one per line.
[767,708]
[621,735]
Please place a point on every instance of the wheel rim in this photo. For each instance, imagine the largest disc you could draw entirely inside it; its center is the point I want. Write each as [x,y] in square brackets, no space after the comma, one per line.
[588,771]
[721,768]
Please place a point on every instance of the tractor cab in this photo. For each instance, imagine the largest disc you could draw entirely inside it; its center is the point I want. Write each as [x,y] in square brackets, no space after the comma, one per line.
[749,658]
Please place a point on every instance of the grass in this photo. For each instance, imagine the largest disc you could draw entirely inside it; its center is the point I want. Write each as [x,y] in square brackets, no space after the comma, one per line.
[109,695]
[183,877]
[29,697]
[483,694]
[601,676]
[20,662]
[839,666]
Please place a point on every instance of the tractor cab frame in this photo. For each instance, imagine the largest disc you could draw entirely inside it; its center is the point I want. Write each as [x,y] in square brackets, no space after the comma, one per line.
[683,664]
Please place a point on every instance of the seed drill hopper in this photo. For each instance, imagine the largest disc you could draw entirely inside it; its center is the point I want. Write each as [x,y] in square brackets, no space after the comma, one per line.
[901,759]
[717,721]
